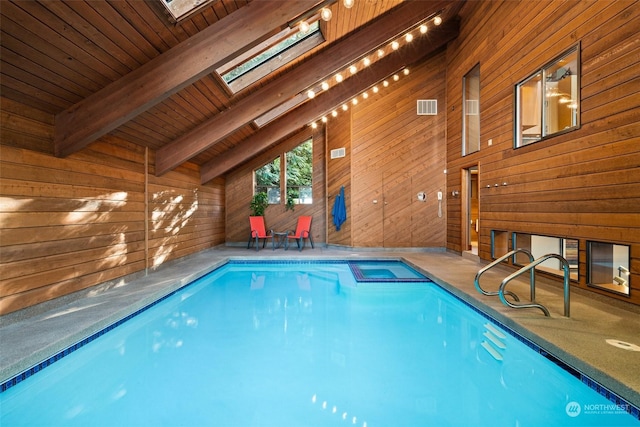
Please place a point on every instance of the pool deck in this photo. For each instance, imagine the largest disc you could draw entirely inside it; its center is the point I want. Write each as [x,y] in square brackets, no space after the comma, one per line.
[32,335]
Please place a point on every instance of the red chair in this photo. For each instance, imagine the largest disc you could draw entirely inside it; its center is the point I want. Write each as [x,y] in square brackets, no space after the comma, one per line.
[303,231]
[258,231]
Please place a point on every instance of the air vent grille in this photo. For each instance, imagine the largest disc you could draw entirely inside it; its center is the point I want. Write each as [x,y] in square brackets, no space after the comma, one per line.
[337,153]
[427,107]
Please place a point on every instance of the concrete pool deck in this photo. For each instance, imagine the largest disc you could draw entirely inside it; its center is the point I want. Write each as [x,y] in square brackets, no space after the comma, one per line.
[32,335]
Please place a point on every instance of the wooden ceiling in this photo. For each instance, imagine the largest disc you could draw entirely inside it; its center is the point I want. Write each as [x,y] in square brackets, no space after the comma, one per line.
[123,68]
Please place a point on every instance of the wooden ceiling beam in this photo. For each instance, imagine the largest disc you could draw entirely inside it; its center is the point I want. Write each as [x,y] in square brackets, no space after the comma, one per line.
[180,66]
[327,101]
[329,61]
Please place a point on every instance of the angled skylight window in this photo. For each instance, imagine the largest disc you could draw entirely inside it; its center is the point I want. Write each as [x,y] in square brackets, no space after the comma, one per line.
[270,55]
[180,9]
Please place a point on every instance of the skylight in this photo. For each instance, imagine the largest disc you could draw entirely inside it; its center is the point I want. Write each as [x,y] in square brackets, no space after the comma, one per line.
[179,9]
[270,55]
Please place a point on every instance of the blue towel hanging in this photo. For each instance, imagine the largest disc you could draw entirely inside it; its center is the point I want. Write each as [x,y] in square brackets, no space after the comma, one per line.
[339,211]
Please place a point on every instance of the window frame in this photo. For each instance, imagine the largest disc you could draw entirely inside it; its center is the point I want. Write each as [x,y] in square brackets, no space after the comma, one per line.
[283,185]
[543,99]
[310,40]
[465,137]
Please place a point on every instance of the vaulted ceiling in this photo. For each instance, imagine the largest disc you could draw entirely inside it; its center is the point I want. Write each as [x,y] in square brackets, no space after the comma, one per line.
[124,68]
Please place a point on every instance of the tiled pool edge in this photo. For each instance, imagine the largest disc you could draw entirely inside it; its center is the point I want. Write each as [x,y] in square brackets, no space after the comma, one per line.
[16,372]
[518,331]
[595,379]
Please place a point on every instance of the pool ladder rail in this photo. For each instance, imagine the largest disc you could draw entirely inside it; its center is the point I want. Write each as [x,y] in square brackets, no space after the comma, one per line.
[501,292]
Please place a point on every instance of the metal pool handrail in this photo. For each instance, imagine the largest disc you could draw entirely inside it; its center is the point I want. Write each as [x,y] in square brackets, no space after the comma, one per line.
[496,262]
[531,266]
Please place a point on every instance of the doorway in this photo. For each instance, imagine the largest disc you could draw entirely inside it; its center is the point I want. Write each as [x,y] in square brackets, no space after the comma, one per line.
[470,209]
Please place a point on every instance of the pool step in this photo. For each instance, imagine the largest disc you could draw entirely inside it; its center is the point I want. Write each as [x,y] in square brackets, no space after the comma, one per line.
[492,351]
[494,343]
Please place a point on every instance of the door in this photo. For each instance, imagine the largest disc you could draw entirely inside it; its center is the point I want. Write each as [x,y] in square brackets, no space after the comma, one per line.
[397,198]
[470,209]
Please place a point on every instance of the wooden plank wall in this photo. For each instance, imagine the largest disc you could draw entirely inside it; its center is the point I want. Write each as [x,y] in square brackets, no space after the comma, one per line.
[73,223]
[339,175]
[239,191]
[395,155]
[583,184]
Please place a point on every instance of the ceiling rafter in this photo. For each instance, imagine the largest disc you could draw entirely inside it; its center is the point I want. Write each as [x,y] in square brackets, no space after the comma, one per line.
[156,80]
[301,116]
[319,67]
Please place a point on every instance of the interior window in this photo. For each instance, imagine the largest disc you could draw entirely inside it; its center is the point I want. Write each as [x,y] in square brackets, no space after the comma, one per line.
[548,101]
[609,267]
[471,111]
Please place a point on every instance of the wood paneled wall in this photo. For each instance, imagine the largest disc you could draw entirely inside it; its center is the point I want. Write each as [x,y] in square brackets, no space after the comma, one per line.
[583,184]
[339,175]
[239,192]
[395,155]
[69,224]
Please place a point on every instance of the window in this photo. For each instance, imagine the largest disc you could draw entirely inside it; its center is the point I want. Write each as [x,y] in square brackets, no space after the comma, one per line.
[298,176]
[548,102]
[542,245]
[180,9]
[471,111]
[270,55]
[609,267]
[267,180]
[300,173]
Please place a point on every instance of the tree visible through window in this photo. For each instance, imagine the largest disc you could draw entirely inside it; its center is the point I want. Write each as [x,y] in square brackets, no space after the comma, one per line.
[267,180]
[300,173]
[298,176]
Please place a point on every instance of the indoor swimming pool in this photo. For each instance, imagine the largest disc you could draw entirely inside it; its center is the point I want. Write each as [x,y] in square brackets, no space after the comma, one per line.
[309,343]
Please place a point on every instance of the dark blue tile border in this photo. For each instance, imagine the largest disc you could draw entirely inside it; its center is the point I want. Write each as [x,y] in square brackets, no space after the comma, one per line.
[608,394]
[585,379]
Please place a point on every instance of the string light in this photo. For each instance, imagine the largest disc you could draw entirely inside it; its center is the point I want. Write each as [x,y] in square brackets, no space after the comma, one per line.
[304,26]
[366,61]
[326,14]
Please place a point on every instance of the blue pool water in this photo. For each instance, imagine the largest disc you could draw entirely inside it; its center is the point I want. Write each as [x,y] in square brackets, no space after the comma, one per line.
[304,344]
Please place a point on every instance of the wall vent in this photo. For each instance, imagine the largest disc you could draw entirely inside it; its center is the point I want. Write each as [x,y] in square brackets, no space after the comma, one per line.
[337,153]
[427,107]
